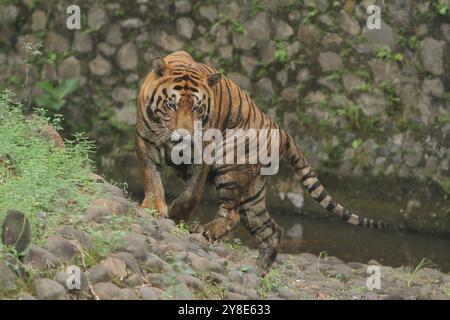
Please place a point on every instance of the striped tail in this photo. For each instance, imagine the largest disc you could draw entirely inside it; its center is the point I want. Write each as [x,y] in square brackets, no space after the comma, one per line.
[315,188]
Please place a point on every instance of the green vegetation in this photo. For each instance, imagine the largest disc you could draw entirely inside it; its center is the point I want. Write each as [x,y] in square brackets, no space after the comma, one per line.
[386,53]
[271,281]
[37,178]
[181,229]
[281,52]
[54,96]
[424,263]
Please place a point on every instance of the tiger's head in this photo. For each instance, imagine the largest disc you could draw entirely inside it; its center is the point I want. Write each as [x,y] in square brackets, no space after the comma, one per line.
[178,98]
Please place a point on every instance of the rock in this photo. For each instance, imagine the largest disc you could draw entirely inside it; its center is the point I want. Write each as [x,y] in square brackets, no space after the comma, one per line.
[169,42]
[185,27]
[147,293]
[290,94]
[25,296]
[106,49]
[307,34]
[286,293]
[243,41]
[56,43]
[130,261]
[251,280]
[201,264]
[208,12]
[191,281]
[72,233]
[352,82]
[99,273]
[47,289]
[386,36]
[62,277]
[348,24]
[155,264]
[38,21]
[61,248]
[131,23]
[372,104]
[384,71]
[136,244]
[82,42]
[16,230]
[108,291]
[180,292]
[41,258]
[401,12]
[127,57]
[330,61]
[166,225]
[114,36]
[69,68]
[97,214]
[182,6]
[124,95]
[248,63]
[296,231]
[283,30]
[445,29]
[116,267]
[241,80]
[7,278]
[432,54]
[97,17]
[268,52]
[433,87]
[258,28]
[235,296]
[265,88]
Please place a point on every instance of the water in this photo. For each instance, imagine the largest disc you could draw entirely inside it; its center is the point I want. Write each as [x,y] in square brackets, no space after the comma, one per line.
[385,199]
[350,243]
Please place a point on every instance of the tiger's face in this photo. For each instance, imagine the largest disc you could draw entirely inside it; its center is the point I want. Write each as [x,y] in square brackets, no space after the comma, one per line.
[179,100]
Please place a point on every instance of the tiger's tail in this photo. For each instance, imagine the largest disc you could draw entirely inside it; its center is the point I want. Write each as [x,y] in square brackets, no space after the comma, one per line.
[315,188]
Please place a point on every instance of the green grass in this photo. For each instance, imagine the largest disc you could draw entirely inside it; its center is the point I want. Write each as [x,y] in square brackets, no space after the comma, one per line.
[50,185]
[272,281]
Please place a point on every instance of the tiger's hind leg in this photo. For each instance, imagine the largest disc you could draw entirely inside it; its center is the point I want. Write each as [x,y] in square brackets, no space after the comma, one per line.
[256,219]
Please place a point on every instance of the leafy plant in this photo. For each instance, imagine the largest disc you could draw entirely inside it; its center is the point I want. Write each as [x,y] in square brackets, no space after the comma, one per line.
[386,53]
[181,229]
[280,52]
[442,8]
[424,263]
[54,97]
[238,27]
[271,281]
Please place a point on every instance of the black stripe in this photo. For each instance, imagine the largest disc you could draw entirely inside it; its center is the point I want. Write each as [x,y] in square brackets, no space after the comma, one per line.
[332,205]
[255,196]
[360,221]
[229,185]
[307,176]
[265,224]
[314,186]
[345,215]
[322,196]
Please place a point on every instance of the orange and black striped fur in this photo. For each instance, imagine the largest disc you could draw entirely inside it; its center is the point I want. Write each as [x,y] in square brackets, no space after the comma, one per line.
[179,91]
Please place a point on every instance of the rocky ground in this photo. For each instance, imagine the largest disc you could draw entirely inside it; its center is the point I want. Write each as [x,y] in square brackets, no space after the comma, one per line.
[140,256]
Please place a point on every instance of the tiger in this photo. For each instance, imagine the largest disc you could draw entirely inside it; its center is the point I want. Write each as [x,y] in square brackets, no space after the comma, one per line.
[176,93]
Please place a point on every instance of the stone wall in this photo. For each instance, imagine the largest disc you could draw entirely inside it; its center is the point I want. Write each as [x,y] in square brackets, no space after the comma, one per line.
[357,100]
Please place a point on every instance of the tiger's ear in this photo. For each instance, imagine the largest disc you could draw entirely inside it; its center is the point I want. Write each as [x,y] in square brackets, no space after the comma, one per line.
[159,66]
[214,79]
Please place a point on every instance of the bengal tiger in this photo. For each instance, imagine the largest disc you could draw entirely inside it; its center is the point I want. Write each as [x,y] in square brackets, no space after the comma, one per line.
[179,91]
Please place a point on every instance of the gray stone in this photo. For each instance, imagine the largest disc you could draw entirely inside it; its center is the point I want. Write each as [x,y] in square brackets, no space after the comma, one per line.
[445,29]
[47,289]
[25,296]
[235,296]
[99,273]
[352,82]
[265,88]
[114,36]
[131,23]
[283,30]
[69,68]
[82,42]
[7,278]
[401,12]
[97,214]
[106,49]
[372,104]
[129,260]
[348,24]
[41,258]
[286,293]
[384,71]
[100,66]
[108,291]
[201,264]
[191,281]
[268,52]
[166,225]
[136,244]
[127,57]
[16,230]
[185,27]
[432,54]
[169,42]
[153,263]
[208,12]
[243,41]
[9,13]
[330,61]
[124,95]
[97,17]
[60,247]
[433,87]
[308,34]
[241,80]
[180,292]
[296,231]
[182,6]
[386,36]
[38,21]
[148,293]
[248,63]
[258,28]
[290,94]
[56,43]
[251,280]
